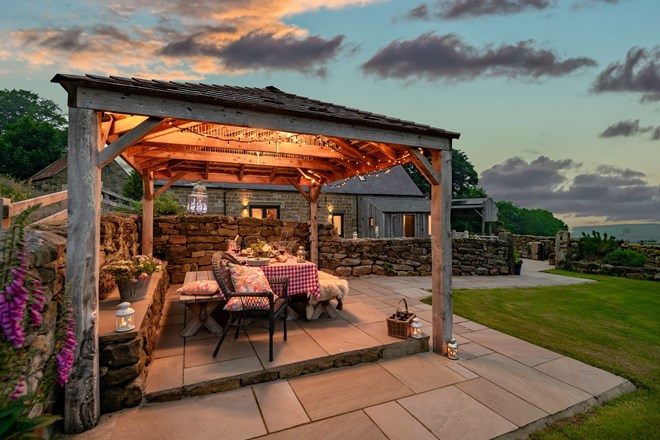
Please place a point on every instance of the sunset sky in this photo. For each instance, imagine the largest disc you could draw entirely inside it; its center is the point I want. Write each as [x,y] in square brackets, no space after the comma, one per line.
[558,101]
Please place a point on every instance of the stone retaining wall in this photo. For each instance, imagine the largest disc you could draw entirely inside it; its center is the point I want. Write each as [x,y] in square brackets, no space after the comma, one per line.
[125,357]
[639,273]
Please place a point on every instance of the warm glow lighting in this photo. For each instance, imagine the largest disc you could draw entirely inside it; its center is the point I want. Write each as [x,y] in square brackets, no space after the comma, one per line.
[124,318]
[452,349]
[371,221]
[416,328]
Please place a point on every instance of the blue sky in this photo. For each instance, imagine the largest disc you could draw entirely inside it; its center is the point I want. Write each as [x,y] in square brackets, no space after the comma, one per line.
[558,102]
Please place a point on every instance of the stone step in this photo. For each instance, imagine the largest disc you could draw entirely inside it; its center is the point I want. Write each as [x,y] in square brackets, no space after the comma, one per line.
[387,351]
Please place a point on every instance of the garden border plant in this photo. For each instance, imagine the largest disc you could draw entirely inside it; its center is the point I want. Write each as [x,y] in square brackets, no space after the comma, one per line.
[25,392]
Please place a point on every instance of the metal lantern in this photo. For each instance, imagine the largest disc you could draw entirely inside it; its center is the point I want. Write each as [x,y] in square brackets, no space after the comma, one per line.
[198,201]
[301,254]
[416,328]
[452,349]
[124,317]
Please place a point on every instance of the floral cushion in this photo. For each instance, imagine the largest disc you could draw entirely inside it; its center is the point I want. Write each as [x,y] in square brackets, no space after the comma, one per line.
[248,279]
[235,303]
[201,287]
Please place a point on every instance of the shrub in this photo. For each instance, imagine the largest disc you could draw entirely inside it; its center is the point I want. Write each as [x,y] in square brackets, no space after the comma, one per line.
[595,246]
[166,204]
[15,190]
[625,257]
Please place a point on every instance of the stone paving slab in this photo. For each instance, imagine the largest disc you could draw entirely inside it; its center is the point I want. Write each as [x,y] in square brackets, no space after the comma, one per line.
[279,405]
[542,391]
[580,375]
[522,351]
[397,423]
[449,413]
[338,391]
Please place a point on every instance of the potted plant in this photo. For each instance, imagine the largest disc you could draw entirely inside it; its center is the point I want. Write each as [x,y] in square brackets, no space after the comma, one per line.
[517,263]
[132,276]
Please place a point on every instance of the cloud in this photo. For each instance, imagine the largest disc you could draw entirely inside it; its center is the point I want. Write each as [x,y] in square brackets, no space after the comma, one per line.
[184,39]
[431,56]
[608,191]
[257,50]
[624,128]
[639,73]
[460,9]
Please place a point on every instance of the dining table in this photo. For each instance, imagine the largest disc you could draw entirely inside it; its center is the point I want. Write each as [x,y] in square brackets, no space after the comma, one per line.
[303,276]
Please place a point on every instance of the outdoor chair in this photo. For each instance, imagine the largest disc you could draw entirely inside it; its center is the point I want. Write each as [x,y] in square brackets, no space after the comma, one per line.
[253,305]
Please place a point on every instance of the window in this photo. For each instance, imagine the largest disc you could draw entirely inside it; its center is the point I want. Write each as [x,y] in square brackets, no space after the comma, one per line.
[265,211]
[338,223]
[408,225]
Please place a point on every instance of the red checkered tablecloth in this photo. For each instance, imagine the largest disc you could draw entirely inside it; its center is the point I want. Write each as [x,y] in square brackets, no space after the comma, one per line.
[303,277]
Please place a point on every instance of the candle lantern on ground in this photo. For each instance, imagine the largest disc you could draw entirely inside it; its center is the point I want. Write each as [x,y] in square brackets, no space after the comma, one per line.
[198,201]
[124,317]
[452,349]
[416,328]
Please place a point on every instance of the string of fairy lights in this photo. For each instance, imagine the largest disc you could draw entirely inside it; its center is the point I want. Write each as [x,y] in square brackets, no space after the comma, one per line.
[241,136]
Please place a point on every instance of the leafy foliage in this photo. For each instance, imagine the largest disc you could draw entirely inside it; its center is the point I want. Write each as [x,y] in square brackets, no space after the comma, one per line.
[15,189]
[133,186]
[625,257]
[29,145]
[21,307]
[166,204]
[464,178]
[596,246]
[525,221]
[16,104]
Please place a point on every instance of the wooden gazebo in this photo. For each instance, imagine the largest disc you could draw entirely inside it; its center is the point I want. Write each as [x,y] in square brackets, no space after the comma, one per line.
[173,131]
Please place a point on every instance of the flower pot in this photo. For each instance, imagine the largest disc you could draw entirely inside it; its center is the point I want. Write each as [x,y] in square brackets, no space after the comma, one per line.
[133,291]
[517,267]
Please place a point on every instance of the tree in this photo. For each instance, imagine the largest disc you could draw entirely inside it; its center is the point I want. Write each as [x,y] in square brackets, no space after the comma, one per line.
[133,186]
[464,178]
[525,221]
[15,104]
[27,146]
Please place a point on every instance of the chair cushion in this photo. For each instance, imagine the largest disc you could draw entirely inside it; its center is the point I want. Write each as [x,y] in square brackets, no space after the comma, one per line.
[236,303]
[248,279]
[201,287]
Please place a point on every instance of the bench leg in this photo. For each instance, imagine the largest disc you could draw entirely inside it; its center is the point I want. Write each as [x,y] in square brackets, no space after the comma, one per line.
[202,316]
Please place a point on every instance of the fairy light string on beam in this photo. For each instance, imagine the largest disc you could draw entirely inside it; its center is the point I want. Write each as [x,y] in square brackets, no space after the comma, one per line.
[228,135]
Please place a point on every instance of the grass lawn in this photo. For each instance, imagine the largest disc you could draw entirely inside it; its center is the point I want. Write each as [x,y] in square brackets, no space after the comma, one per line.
[612,324]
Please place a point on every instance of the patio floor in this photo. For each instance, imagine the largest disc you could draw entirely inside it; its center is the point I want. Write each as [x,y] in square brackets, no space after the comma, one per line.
[501,386]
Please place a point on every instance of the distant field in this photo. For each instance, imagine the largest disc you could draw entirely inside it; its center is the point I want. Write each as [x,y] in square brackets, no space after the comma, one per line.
[629,232]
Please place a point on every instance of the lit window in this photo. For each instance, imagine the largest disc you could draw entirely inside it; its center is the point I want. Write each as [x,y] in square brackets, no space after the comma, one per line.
[272,212]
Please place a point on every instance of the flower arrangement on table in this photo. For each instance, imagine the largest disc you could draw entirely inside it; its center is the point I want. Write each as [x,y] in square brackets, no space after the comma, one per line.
[260,247]
[26,386]
[139,267]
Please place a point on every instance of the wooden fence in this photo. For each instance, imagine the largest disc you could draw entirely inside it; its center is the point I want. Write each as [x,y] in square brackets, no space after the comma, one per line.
[110,201]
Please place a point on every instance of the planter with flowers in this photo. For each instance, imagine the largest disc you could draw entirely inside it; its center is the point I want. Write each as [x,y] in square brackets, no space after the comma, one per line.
[133,276]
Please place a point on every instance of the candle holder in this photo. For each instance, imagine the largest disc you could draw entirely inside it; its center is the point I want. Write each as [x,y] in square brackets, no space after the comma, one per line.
[124,318]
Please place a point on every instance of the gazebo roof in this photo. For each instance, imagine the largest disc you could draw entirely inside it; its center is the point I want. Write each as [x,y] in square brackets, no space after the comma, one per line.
[187,131]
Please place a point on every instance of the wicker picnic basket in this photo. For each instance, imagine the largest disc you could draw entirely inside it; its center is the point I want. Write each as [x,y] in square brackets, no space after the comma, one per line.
[398,323]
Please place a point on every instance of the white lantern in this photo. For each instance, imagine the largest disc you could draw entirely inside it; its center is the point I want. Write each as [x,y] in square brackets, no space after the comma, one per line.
[198,201]
[416,328]
[125,317]
[452,349]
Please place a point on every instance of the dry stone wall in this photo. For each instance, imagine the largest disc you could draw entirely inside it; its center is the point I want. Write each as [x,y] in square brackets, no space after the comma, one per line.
[188,242]
[411,256]
[534,247]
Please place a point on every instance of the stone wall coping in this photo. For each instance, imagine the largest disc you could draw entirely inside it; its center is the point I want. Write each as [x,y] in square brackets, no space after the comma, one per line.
[108,307]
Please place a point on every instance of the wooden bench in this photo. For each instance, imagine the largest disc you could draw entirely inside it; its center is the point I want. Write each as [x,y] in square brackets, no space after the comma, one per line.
[200,306]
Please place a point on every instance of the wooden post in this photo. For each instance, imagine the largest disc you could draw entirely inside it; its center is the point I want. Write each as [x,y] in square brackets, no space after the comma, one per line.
[82,396]
[148,214]
[441,252]
[4,216]
[314,194]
